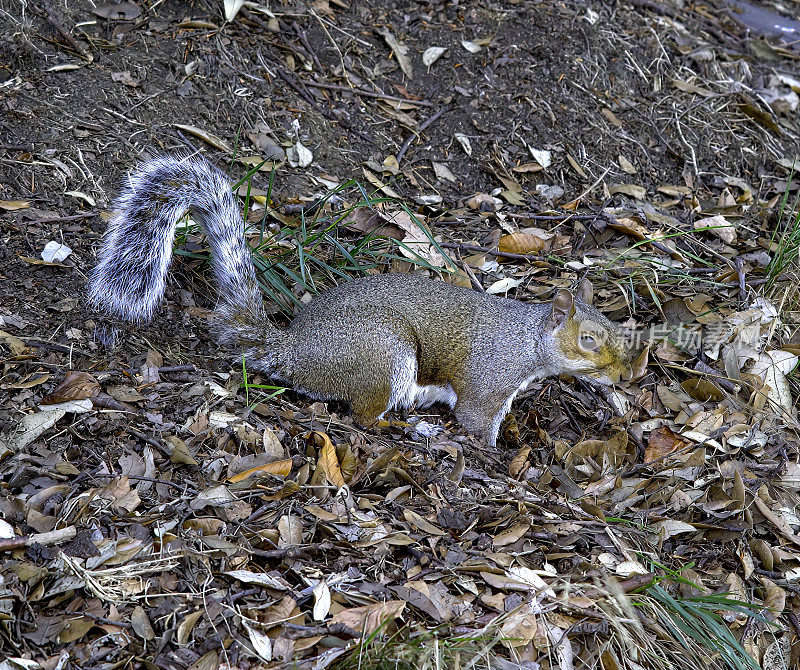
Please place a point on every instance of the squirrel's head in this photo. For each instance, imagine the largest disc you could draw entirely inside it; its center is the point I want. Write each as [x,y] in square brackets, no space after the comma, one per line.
[588,345]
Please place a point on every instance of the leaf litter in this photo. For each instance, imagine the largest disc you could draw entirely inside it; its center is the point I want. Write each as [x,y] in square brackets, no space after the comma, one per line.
[161,512]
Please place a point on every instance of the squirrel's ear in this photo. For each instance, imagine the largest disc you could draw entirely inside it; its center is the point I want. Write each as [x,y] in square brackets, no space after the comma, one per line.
[585,292]
[563,308]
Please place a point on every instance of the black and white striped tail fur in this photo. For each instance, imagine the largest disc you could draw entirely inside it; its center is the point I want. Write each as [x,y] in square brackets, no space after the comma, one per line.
[130,277]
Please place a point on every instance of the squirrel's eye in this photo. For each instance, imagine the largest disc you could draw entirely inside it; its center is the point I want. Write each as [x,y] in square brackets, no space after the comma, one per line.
[588,342]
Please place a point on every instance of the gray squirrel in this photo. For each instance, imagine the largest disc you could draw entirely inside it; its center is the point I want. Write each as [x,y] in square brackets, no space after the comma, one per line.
[383,342]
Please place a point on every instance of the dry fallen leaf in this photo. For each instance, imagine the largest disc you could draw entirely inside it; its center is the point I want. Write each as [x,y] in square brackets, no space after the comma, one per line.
[76,386]
[369,618]
[520,243]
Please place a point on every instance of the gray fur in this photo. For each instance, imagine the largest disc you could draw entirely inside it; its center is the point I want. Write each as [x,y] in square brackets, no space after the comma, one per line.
[380,342]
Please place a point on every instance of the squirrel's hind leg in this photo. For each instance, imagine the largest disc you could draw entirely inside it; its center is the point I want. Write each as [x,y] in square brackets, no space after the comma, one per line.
[396,391]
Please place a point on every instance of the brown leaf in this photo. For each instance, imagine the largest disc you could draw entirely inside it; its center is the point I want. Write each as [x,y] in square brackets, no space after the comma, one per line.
[774,599]
[421,523]
[13,205]
[328,460]
[662,442]
[369,618]
[141,624]
[511,535]
[280,468]
[186,626]
[180,451]
[519,463]
[521,243]
[75,629]
[76,386]
[702,389]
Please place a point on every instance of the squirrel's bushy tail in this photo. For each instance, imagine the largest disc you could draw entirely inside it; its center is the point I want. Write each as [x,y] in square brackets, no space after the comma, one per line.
[130,277]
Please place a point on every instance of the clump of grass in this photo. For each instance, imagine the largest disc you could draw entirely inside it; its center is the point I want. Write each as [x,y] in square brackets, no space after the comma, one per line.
[692,628]
[263,392]
[409,649]
[787,238]
[314,252]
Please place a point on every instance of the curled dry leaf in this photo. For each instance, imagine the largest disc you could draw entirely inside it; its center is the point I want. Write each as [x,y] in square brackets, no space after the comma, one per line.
[290,528]
[702,389]
[417,242]
[259,578]
[772,367]
[503,286]
[520,243]
[443,172]
[262,643]
[14,205]
[329,461]
[232,8]
[141,624]
[420,523]
[282,468]
[667,528]
[401,53]
[180,451]
[322,601]
[216,496]
[208,138]
[55,252]
[633,190]
[463,140]
[298,155]
[30,427]
[511,535]
[519,462]
[186,626]
[663,442]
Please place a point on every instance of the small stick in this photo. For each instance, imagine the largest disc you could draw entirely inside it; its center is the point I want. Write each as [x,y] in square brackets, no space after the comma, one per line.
[718,379]
[307,97]
[423,126]
[105,401]
[302,35]
[368,94]
[66,34]
[740,274]
[152,442]
[153,480]
[176,368]
[57,347]
[472,278]
[45,539]
[72,217]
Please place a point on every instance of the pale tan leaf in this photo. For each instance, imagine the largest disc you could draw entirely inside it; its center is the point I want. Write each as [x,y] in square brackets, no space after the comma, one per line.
[186,626]
[329,462]
[369,618]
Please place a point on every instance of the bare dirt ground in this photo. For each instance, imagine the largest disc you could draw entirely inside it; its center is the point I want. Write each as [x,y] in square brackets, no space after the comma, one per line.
[169,520]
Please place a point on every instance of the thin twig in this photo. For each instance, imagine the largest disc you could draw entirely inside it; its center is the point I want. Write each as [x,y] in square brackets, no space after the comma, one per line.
[368,94]
[423,126]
